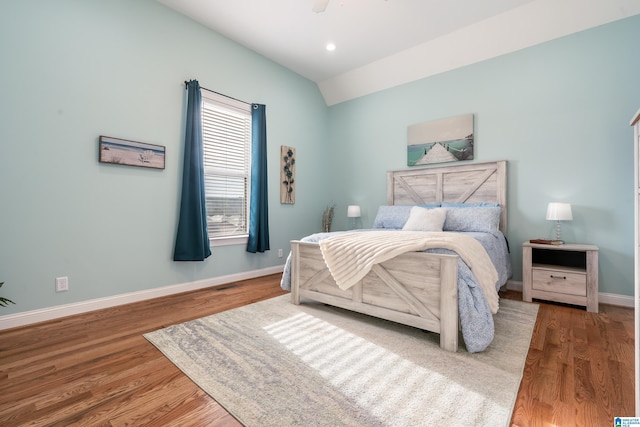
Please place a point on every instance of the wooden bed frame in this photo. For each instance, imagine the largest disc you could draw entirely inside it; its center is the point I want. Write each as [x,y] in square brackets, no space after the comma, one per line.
[418,289]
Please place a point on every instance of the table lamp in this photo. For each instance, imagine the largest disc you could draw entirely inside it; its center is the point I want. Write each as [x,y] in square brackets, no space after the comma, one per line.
[559,212]
[353,211]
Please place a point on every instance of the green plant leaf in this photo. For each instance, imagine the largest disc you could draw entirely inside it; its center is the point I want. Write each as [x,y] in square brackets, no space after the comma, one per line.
[4,301]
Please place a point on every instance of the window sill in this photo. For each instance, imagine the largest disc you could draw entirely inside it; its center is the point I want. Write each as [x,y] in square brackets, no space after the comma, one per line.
[231,240]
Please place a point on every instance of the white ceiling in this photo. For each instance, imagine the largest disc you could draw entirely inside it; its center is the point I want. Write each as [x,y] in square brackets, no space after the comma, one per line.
[383,43]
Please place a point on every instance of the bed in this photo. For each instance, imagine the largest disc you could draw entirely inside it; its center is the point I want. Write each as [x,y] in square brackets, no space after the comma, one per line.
[423,289]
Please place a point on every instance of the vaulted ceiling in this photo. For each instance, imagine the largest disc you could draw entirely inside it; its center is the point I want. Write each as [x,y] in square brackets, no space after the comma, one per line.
[383,43]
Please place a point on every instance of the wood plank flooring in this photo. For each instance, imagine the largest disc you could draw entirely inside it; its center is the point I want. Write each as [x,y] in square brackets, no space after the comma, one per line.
[96,369]
[579,369]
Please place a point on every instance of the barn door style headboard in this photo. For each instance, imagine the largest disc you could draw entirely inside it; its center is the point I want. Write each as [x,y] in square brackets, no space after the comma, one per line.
[466,183]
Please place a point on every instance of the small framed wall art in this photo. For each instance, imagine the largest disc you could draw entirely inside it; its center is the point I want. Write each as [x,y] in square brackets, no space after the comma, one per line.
[287,175]
[131,153]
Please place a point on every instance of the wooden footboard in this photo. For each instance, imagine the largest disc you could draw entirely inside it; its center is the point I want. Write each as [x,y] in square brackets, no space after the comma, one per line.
[418,289]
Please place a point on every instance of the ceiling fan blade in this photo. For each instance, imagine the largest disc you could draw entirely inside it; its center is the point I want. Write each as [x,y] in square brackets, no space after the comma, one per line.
[320,5]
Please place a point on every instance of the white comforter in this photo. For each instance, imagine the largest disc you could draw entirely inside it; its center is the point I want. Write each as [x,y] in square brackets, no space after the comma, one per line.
[349,257]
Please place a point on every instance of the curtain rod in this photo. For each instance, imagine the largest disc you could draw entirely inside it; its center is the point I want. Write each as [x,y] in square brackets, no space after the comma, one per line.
[186,84]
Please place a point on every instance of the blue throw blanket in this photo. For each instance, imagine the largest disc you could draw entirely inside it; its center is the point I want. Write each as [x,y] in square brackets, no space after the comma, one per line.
[475,317]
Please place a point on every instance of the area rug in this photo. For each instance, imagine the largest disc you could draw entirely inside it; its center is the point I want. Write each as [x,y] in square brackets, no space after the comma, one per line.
[273,363]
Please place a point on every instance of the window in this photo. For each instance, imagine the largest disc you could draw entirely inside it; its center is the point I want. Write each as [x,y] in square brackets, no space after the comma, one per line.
[226,134]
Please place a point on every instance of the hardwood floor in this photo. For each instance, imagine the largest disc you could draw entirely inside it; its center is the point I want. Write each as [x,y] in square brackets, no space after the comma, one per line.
[97,369]
[580,367]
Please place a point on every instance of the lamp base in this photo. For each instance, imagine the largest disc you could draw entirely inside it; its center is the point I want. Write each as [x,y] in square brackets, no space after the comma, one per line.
[558,231]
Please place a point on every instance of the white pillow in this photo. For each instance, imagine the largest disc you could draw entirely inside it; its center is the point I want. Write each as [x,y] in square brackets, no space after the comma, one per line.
[423,219]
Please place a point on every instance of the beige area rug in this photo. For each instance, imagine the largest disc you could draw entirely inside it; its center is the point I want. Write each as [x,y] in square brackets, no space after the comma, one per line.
[273,363]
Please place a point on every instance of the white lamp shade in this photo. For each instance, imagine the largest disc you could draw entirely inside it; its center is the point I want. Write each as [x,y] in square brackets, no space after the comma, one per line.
[559,212]
[353,211]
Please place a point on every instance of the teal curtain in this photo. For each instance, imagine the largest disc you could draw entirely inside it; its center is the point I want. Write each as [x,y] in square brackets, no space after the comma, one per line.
[259,213]
[192,239]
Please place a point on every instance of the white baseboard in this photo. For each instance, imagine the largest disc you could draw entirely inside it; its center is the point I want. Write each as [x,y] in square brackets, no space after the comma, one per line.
[514,286]
[615,299]
[51,313]
[603,298]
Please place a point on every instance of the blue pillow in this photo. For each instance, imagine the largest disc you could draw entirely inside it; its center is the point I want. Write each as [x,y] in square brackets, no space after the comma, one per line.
[394,217]
[468,205]
[473,218]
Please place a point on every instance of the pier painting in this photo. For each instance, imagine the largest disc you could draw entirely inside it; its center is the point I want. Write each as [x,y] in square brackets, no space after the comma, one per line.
[438,141]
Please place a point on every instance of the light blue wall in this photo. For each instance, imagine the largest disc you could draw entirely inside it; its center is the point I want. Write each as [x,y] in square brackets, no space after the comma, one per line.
[558,112]
[75,70]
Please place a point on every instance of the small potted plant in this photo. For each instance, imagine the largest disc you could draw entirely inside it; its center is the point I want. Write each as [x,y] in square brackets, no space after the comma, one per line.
[4,301]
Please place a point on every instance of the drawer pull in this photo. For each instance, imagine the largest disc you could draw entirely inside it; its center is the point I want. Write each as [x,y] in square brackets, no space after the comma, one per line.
[558,277]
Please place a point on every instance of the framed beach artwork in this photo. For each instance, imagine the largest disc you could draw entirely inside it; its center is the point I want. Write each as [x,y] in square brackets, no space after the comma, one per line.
[439,141]
[131,153]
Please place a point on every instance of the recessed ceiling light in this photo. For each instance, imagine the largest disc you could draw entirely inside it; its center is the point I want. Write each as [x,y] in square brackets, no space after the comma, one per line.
[330,47]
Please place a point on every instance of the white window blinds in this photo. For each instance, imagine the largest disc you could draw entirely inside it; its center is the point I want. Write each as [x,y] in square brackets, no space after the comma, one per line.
[226,132]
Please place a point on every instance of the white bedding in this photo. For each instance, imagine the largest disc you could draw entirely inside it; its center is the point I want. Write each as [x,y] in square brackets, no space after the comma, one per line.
[349,257]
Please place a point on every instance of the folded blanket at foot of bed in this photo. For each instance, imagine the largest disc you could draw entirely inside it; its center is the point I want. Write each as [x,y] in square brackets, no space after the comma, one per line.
[475,315]
[349,257]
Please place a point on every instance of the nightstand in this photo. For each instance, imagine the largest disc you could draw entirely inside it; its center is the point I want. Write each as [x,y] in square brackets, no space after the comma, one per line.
[565,273]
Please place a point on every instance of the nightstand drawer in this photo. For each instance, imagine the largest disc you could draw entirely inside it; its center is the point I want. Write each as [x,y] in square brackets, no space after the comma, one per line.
[559,281]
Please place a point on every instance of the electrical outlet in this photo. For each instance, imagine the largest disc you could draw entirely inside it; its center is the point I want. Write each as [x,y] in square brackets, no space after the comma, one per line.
[279,253]
[62,284]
